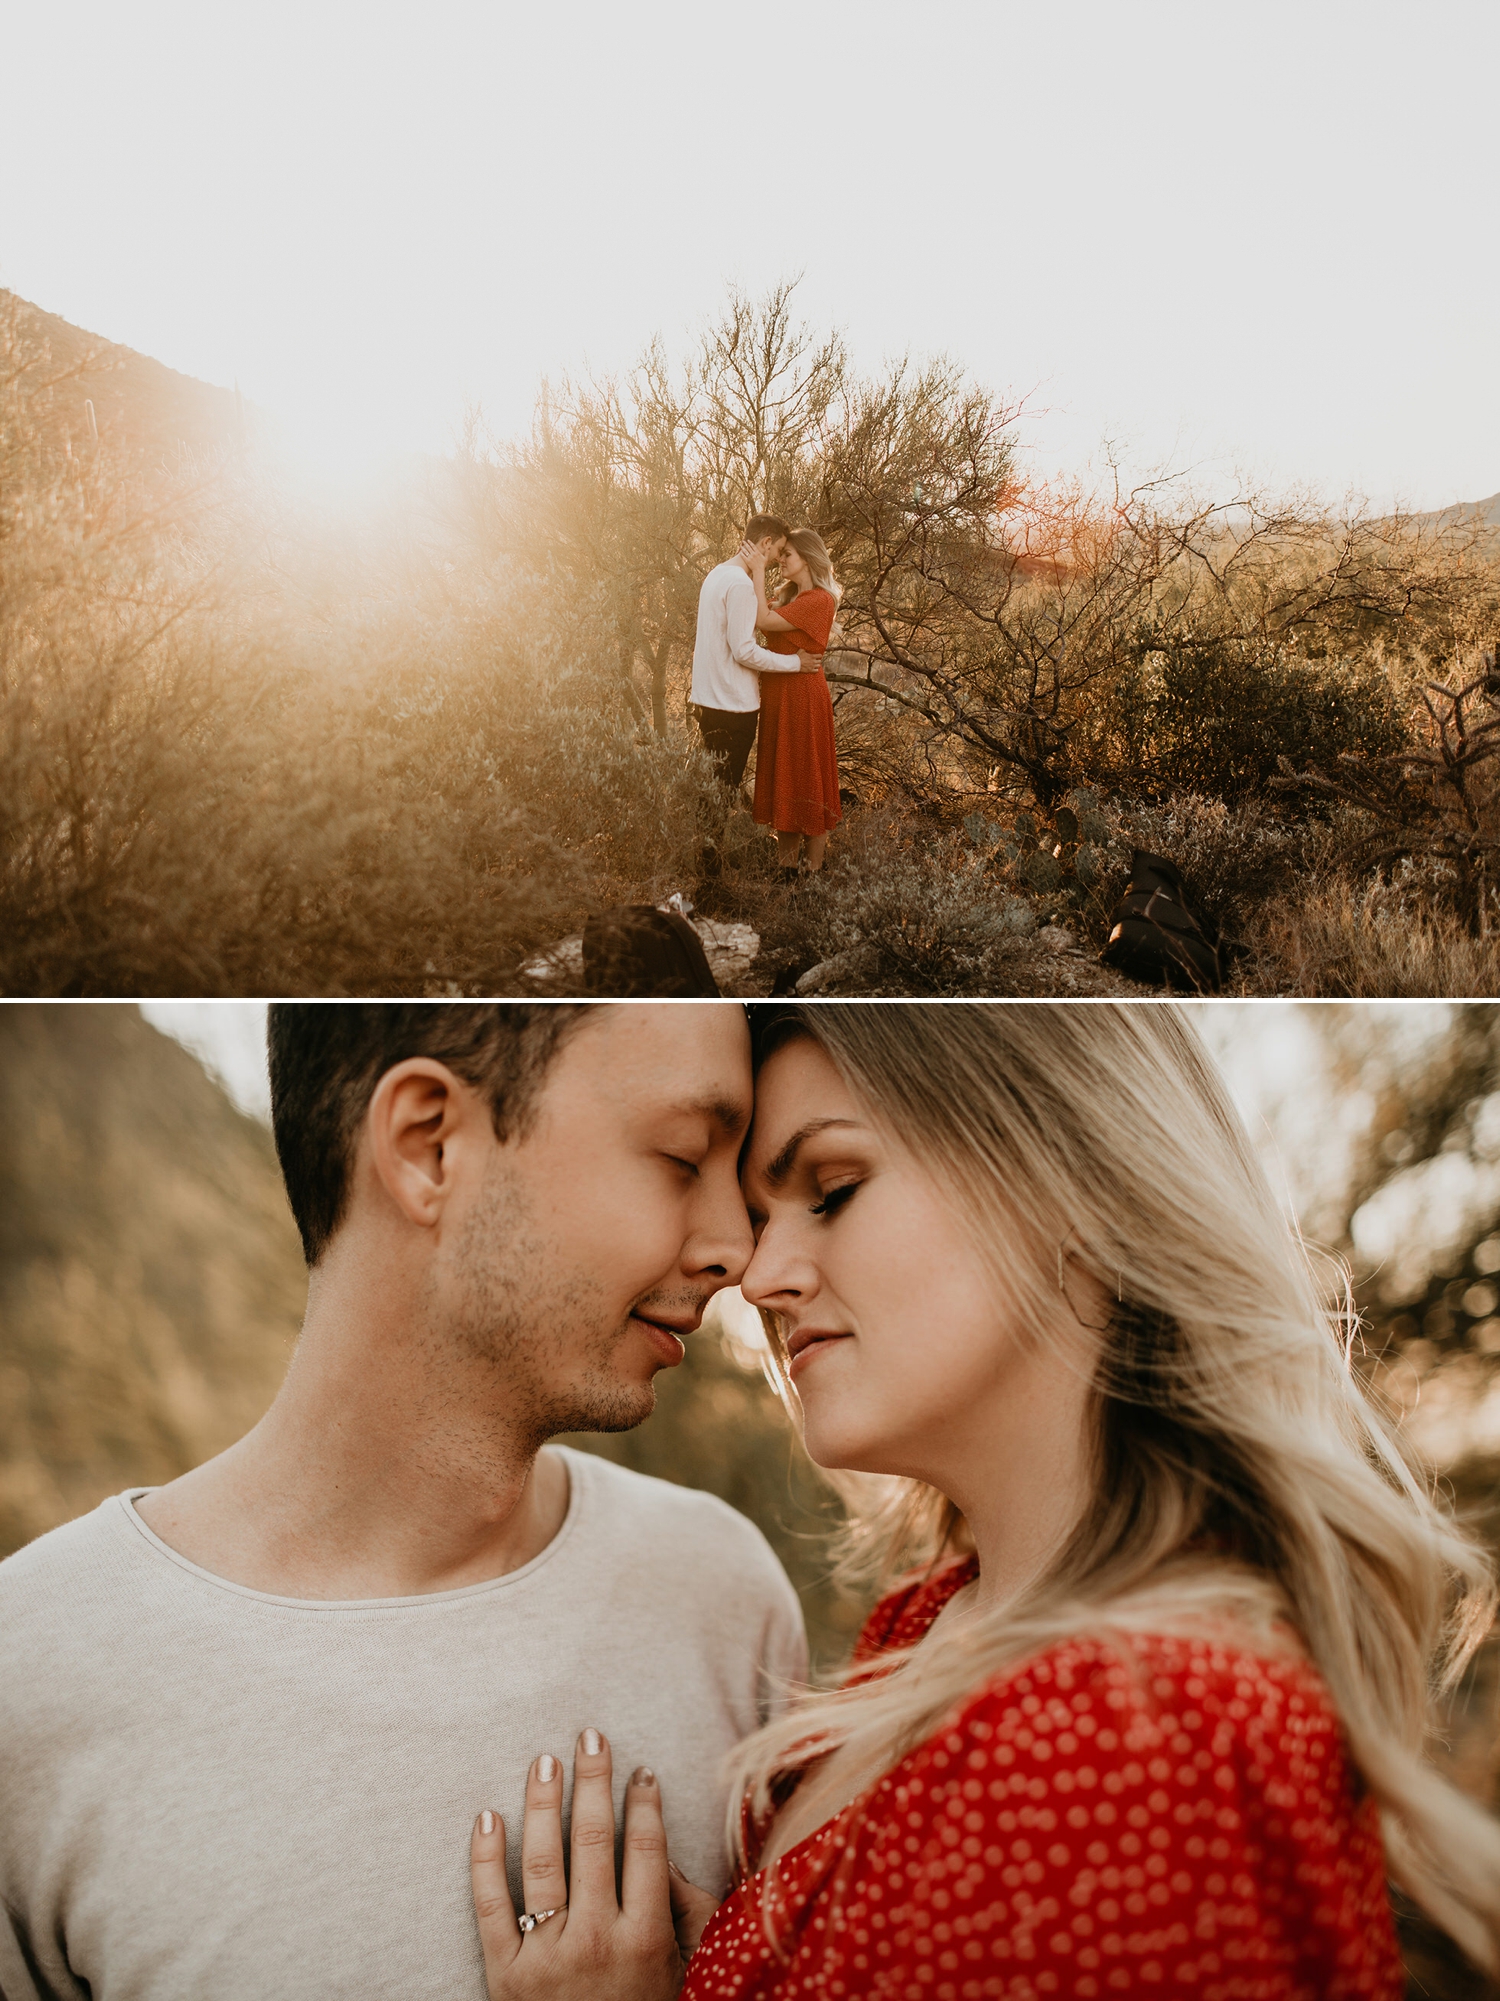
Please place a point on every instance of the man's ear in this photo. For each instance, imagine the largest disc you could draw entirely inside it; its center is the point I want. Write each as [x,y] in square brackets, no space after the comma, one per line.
[421,1123]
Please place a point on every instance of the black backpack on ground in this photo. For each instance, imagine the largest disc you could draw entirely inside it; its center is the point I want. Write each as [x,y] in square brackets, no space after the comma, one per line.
[637,952]
[1154,935]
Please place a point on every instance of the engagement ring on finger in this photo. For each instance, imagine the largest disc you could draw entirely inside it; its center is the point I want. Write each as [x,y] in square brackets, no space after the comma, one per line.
[534,1918]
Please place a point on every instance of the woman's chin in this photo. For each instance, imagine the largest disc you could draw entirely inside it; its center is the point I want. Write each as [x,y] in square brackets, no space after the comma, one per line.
[838,1449]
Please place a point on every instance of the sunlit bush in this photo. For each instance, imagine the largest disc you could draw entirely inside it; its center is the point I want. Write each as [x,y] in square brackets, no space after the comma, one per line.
[242,753]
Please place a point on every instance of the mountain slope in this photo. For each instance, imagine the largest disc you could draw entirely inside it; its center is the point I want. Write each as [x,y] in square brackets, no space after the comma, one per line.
[151,1284]
[140,405]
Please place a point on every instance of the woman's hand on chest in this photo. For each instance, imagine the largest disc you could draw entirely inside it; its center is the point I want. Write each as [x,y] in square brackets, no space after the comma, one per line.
[585,1943]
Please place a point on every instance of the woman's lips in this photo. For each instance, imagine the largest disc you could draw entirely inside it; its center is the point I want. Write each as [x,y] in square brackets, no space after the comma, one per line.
[802,1348]
[669,1346]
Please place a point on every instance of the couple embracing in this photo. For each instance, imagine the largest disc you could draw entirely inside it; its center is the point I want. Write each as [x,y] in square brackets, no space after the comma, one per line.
[738,683]
[399,1699]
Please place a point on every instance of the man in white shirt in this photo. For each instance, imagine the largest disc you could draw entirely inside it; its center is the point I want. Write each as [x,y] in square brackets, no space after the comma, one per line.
[727,663]
[389,1599]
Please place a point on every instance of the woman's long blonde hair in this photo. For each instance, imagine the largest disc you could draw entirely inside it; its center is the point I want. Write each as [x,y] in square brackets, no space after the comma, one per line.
[813,550]
[1243,1478]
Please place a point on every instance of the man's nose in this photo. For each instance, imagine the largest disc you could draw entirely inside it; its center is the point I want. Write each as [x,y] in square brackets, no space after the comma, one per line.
[725,1241]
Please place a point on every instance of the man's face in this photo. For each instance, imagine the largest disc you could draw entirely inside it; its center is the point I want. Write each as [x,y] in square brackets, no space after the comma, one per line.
[772,547]
[594,1243]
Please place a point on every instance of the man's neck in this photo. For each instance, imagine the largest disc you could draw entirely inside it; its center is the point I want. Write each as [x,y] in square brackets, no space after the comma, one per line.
[382,1470]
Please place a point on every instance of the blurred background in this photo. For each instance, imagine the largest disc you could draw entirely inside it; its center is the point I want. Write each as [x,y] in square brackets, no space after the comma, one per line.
[151,1285]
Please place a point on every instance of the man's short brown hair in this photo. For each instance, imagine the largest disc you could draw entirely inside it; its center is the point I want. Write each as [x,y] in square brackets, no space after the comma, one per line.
[761,526]
[327,1058]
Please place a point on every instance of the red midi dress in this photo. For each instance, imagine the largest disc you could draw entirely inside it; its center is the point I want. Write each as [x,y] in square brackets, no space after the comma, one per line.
[796,767]
[1168,1817]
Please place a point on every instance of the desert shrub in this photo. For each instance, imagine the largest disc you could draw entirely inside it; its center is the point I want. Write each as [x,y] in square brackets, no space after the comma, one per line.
[1072,865]
[884,754]
[1434,809]
[199,826]
[1233,858]
[1214,715]
[183,846]
[905,908]
[545,730]
[1373,940]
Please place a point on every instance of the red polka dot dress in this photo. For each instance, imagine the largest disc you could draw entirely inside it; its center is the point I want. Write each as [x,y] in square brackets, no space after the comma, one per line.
[1177,1821]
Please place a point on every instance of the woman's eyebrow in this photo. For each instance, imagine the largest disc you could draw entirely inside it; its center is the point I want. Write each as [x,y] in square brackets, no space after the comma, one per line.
[777,1170]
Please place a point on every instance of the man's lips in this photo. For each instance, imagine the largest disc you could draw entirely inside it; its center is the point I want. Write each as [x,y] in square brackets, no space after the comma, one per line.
[809,1341]
[666,1334]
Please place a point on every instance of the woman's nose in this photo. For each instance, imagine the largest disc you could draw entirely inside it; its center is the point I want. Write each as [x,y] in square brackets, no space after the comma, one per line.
[775,1276]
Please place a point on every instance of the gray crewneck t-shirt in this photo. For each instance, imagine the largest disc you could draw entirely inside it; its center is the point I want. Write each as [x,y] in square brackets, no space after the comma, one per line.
[209,1791]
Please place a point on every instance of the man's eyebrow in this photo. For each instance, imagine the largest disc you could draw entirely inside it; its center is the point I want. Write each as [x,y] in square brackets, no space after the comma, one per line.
[777,1170]
[730,1117]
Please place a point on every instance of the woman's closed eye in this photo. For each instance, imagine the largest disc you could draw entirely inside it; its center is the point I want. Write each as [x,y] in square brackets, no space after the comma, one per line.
[834,1199]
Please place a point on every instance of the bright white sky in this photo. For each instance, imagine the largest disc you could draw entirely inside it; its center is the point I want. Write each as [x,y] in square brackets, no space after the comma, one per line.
[1261,234]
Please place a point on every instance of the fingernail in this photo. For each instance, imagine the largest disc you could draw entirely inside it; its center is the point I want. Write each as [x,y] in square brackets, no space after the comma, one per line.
[546,1768]
[676,1871]
[643,1776]
[593,1743]
[486,1822]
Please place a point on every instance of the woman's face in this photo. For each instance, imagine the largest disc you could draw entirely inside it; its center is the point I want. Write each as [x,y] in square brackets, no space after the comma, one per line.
[901,1352]
[794,567]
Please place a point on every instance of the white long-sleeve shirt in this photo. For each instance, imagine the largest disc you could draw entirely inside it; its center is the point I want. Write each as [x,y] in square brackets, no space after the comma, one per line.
[727,663]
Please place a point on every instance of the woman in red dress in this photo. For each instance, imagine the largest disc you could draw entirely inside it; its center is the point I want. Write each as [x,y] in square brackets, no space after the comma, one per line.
[1149,1716]
[796,764]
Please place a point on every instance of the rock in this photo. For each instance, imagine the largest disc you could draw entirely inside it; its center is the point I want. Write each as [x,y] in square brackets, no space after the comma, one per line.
[561,964]
[843,966]
[785,981]
[729,948]
[817,977]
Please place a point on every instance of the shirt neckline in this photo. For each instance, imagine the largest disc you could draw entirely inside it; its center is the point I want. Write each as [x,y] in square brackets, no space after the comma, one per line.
[580,1474]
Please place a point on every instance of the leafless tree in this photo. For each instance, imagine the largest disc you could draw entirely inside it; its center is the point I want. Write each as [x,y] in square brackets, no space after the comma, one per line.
[640,486]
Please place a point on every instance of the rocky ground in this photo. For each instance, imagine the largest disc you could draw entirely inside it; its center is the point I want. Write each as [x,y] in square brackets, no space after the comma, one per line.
[1050,964]
[889,918]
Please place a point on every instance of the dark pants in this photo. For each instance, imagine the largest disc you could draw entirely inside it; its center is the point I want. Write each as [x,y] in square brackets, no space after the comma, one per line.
[728,737]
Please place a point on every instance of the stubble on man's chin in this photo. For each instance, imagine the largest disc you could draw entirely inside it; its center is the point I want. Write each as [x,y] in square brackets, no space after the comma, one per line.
[523,1310]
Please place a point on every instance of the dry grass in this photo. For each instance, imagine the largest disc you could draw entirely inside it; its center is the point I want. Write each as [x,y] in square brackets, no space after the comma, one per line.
[1370,942]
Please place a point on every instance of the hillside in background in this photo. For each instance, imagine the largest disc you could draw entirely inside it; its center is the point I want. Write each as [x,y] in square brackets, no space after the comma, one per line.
[151,1288]
[140,405]
[1467,513]
[151,1283]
